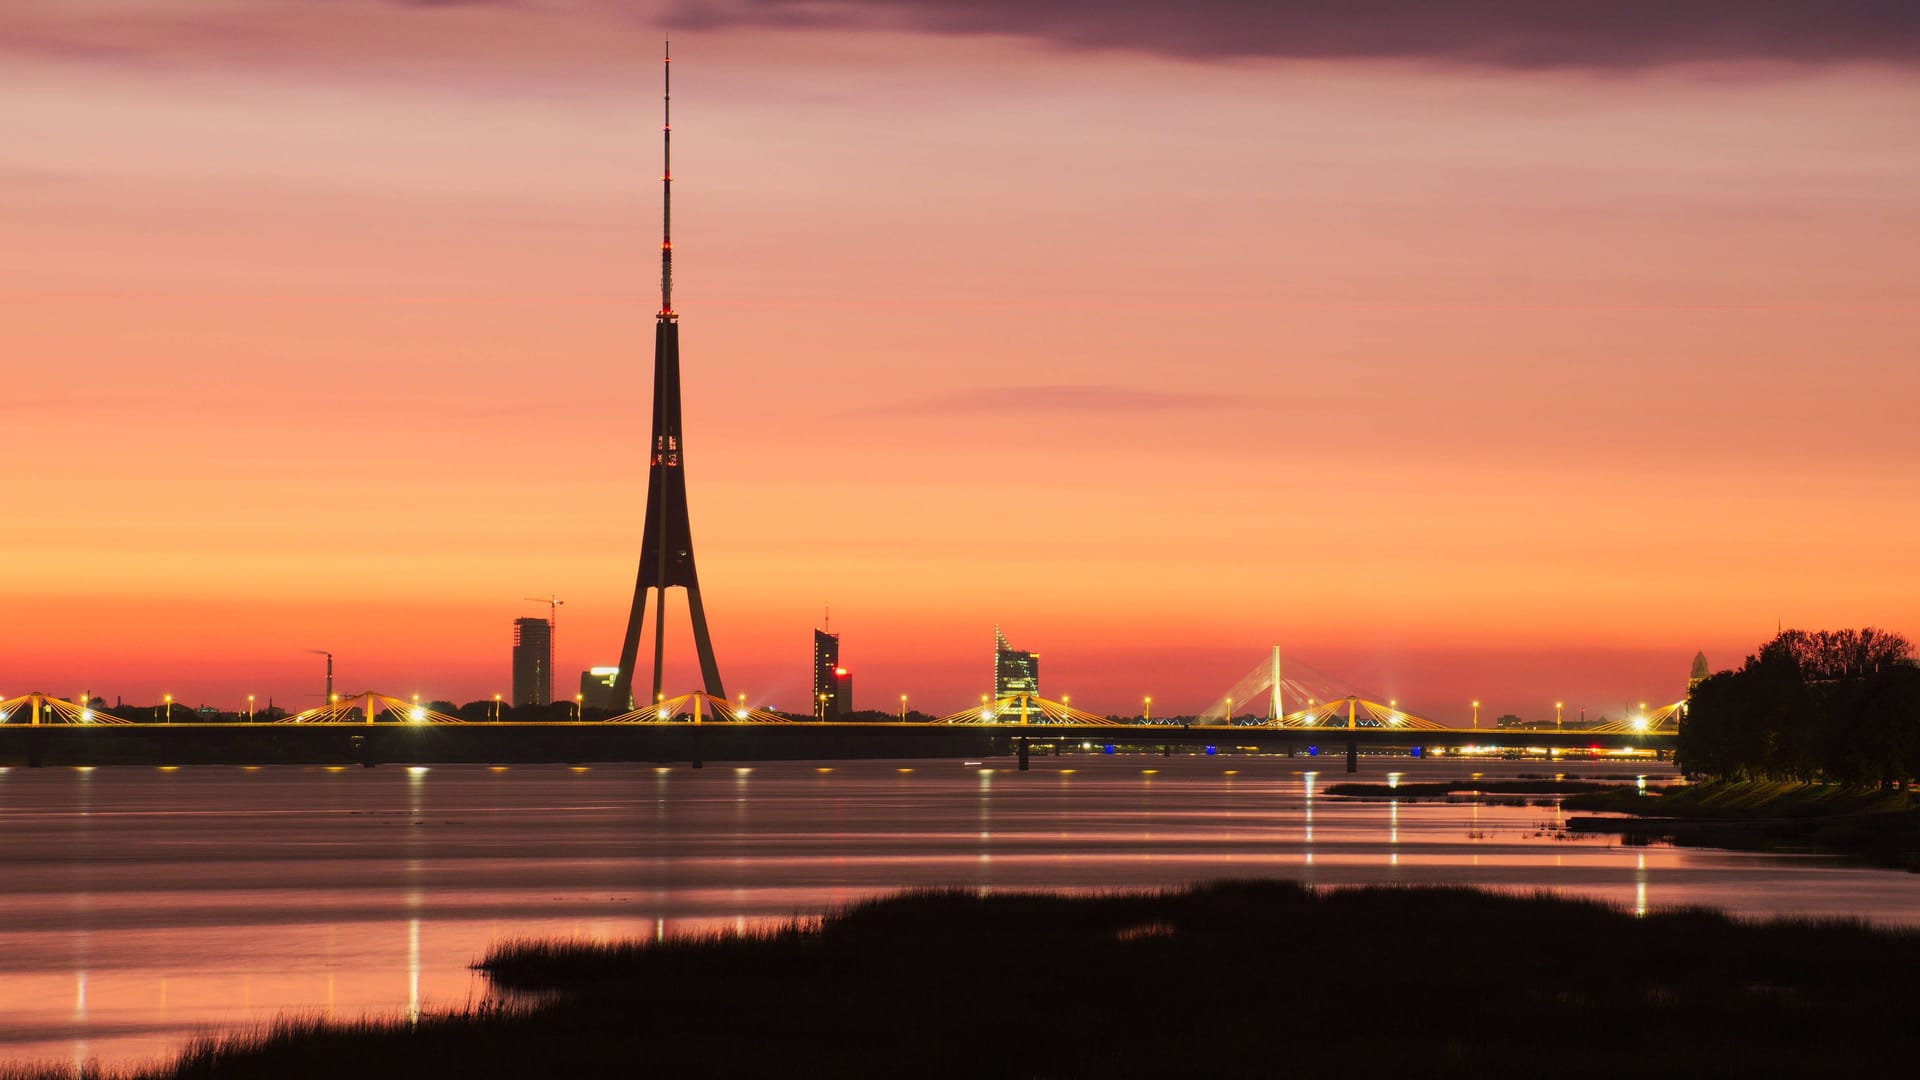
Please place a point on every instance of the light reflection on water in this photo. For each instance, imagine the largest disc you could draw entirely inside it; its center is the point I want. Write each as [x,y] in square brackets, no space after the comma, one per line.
[140,906]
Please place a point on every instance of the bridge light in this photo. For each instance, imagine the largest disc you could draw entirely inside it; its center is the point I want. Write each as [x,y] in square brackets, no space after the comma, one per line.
[417,714]
[1639,723]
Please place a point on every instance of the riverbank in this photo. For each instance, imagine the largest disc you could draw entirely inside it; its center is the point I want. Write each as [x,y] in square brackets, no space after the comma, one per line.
[1233,978]
[1876,825]
[1442,789]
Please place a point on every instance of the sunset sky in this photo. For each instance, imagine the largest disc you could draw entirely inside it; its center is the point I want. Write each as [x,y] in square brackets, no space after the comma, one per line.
[1484,349]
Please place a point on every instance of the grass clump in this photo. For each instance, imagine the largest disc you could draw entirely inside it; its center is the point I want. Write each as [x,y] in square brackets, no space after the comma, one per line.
[1234,978]
[1742,799]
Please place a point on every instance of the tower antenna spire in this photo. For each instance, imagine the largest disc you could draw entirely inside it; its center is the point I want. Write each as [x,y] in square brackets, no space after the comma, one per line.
[666,185]
[666,550]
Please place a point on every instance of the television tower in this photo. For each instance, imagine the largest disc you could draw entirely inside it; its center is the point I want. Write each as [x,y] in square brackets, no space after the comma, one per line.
[666,548]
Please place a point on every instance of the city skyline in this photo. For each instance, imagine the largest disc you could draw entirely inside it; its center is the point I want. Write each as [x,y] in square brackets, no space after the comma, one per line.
[1510,376]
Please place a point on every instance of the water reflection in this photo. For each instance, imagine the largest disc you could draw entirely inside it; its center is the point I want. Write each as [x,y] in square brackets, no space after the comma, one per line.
[143,905]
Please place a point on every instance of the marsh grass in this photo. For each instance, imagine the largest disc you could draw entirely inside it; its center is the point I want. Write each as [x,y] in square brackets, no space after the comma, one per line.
[1751,799]
[1876,825]
[1237,978]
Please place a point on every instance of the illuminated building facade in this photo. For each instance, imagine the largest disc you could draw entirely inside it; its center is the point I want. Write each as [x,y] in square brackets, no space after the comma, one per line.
[596,690]
[1015,671]
[832,685]
[532,662]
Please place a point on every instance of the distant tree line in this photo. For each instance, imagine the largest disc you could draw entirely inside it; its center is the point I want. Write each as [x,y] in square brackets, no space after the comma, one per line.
[1838,705]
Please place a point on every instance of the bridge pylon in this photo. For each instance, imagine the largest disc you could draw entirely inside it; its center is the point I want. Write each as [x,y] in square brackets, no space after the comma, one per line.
[1351,712]
[1319,701]
[45,709]
[699,707]
[368,707]
[1026,709]
[1664,720]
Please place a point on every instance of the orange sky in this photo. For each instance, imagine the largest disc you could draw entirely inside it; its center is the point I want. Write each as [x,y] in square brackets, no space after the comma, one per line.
[328,325]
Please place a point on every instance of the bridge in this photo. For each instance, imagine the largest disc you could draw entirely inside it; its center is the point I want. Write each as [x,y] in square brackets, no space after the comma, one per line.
[1306,711]
[44,708]
[356,742]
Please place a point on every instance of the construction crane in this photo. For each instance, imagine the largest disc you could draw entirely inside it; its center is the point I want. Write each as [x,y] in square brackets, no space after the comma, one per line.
[328,700]
[553,622]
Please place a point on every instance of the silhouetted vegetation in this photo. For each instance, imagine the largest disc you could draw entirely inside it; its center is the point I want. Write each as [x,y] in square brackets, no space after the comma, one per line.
[1739,799]
[1875,824]
[1839,706]
[1232,978]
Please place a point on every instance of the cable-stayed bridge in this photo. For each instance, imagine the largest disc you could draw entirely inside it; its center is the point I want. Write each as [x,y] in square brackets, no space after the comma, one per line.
[1274,708]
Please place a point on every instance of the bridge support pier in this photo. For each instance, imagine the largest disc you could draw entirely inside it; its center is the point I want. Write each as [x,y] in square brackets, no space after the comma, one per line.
[1023,753]
[1353,754]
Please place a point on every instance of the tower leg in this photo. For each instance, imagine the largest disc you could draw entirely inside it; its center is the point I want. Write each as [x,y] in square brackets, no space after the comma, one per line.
[659,641]
[630,650]
[702,644]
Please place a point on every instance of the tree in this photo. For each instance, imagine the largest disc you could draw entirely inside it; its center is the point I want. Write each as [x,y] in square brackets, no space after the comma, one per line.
[1832,704]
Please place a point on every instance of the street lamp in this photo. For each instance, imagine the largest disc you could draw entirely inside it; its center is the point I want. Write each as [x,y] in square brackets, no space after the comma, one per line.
[579,707]
[1557,707]
[1146,710]
[169,698]
[820,711]
[496,708]
[903,708]
[249,708]
[741,712]
[1476,715]
[1229,710]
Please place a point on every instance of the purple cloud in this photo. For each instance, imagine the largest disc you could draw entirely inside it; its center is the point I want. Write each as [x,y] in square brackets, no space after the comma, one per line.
[1512,34]
[1496,33]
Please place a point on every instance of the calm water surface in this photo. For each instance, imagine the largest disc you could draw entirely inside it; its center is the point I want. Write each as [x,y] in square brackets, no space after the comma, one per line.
[143,905]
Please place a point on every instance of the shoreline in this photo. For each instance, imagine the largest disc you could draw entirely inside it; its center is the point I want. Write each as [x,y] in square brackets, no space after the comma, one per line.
[1877,827]
[1228,978]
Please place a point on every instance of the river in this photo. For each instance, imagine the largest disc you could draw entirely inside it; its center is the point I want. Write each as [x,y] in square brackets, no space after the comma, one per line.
[140,905]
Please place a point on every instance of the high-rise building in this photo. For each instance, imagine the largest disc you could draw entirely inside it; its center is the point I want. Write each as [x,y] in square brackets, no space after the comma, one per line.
[1014,671]
[596,690]
[829,700]
[1700,672]
[666,545]
[532,662]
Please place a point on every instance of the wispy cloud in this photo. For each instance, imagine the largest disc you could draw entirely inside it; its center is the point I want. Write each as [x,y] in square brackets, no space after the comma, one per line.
[1497,33]
[1513,34]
